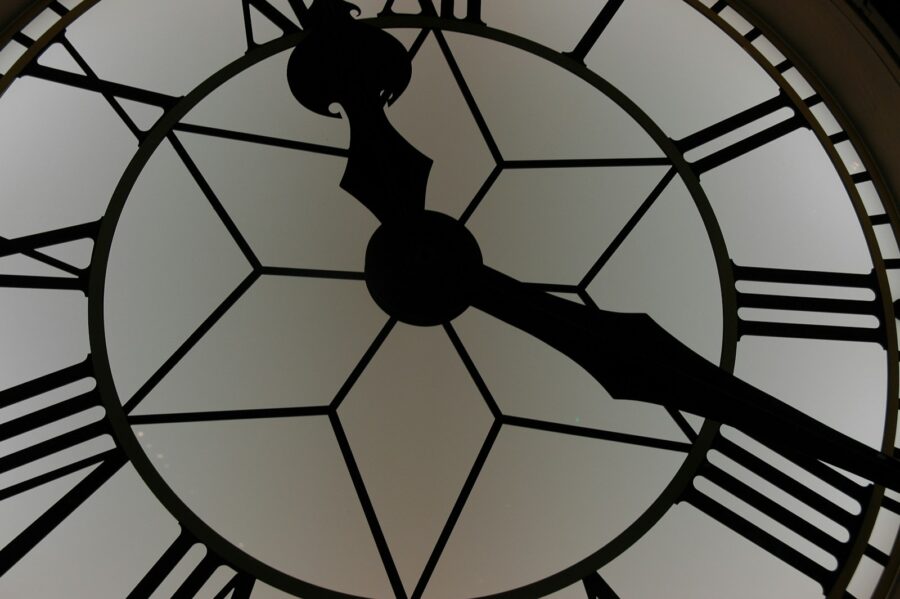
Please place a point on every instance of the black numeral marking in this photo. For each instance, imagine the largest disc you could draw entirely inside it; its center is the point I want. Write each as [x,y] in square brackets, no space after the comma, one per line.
[108,462]
[596,29]
[30,245]
[749,143]
[597,588]
[846,281]
[240,584]
[447,11]
[765,504]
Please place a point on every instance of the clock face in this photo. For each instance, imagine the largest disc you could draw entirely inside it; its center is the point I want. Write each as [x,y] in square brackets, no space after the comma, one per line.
[203,397]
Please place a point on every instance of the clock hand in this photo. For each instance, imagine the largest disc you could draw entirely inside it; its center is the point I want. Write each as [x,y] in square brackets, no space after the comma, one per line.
[635,358]
[362,68]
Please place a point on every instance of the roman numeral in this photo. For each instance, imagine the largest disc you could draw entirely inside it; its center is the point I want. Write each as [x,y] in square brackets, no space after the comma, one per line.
[788,303]
[448,10]
[275,16]
[761,501]
[751,142]
[107,462]
[241,584]
[595,30]
[597,588]
[30,245]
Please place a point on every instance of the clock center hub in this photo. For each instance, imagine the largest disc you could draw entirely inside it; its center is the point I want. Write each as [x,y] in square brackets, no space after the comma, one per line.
[421,270]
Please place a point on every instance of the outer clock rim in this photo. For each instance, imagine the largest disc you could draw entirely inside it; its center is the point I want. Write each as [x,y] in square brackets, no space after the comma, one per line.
[204,532]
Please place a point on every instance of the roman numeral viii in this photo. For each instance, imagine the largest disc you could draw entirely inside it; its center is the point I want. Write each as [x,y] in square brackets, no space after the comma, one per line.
[827,310]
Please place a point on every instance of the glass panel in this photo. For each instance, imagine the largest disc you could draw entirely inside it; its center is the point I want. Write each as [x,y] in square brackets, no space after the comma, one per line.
[277,488]
[172,262]
[416,423]
[552,225]
[535,509]
[289,342]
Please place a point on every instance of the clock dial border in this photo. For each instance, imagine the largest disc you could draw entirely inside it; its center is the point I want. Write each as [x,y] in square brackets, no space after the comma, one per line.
[880,266]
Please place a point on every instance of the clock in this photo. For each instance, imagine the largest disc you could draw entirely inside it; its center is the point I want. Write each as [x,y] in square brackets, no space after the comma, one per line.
[452,299]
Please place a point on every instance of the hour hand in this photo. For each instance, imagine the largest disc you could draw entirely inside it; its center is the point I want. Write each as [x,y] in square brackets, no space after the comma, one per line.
[635,358]
[362,68]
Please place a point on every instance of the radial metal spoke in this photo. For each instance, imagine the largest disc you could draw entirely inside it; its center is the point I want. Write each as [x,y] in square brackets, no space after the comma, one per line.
[312,273]
[457,510]
[190,342]
[482,192]
[368,510]
[473,371]
[217,206]
[593,433]
[214,415]
[628,228]
[363,362]
[277,142]
[555,287]
[470,99]
[586,162]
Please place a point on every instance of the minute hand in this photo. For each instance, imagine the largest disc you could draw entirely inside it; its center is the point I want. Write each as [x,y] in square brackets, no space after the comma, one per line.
[635,358]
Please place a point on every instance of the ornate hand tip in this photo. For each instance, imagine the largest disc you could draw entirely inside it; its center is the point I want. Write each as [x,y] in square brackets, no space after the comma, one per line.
[323,13]
[346,62]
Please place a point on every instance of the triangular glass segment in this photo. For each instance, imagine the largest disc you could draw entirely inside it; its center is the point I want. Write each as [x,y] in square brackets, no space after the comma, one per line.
[57,57]
[550,225]
[286,202]
[433,116]
[543,112]
[264,30]
[531,380]
[287,343]
[278,489]
[76,253]
[666,268]
[143,115]
[239,105]
[534,510]
[172,263]
[415,422]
